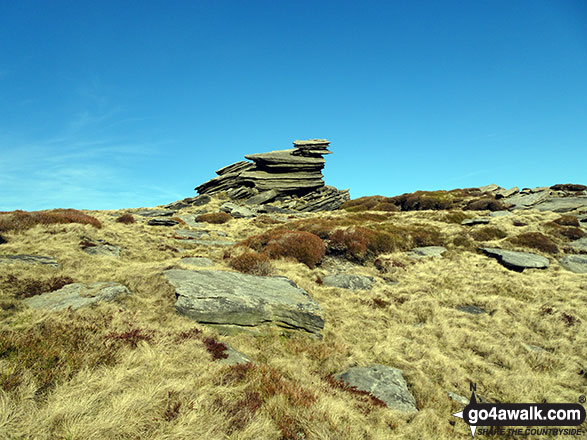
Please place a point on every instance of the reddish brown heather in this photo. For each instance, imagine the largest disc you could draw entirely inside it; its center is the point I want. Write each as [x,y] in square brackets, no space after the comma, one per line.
[252,263]
[27,287]
[535,240]
[22,220]
[127,219]
[214,217]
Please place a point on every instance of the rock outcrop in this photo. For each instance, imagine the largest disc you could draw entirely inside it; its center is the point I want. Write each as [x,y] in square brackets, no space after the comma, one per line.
[292,176]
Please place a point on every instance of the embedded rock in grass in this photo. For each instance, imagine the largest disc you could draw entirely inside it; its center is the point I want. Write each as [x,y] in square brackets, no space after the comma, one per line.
[236,299]
[580,244]
[575,263]
[190,220]
[186,233]
[162,222]
[565,204]
[500,214]
[209,242]
[234,357]
[77,295]
[385,383]
[29,259]
[348,281]
[156,213]
[476,221]
[106,249]
[237,211]
[197,261]
[427,251]
[473,310]
[517,261]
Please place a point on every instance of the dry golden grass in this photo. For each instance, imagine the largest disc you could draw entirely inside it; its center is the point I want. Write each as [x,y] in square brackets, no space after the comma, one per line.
[134,369]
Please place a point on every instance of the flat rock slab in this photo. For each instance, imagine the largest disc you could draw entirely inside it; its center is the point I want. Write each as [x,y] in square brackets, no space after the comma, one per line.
[108,250]
[185,233]
[237,211]
[162,222]
[575,263]
[476,221]
[500,214]
[29,259]
[234,357]
[77,295]
[473,310]
[197,261]
[517,260]
[580,244]
[348,281]
[156,213]
[385,383]
[427,251]
[190,220]
[209,242]
[231,298]
[562,204]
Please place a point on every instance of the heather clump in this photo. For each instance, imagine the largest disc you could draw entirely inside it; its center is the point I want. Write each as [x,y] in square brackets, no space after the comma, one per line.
[23,220]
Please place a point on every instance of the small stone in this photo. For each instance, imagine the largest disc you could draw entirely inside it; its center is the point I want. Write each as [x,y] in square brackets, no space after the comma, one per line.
[108,250]
[427,251]
[473,310]
[234,357]
[476,221]
[385,383]
[458,398]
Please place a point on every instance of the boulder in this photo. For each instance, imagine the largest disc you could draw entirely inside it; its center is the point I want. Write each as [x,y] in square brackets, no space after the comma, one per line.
[427,251]
[236,299]
[29,259]
[575,263]
[562,205]
[262,198]
[503,193]
[348,281]
[190,201]
[77,295]
[385,383]
[517,261]
[162,222]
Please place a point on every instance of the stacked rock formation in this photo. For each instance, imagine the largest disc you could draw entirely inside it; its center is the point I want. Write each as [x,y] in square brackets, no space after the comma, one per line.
[292,176]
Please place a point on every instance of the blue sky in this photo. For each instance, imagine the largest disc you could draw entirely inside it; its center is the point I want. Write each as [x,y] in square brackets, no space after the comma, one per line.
[114,104]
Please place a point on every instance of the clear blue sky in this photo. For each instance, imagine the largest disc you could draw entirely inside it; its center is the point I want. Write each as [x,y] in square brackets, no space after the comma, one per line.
[113,104]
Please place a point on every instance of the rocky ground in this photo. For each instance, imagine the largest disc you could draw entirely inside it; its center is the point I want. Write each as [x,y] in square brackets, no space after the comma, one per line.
[215,318]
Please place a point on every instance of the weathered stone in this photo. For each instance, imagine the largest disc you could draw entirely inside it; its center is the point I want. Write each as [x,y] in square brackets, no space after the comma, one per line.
[242,192]
[475,221]
[580,244]
[186,233]
[385,383]
[427,251]
[197,261]
[77,295]
[517,260]
[234,357]
[105,249]
[565,204]
[463,401]
[575,263]
[237,211]
[209,242]
[29,259]
[283,182]
[190,201]
[264,197]
[265,209]
[348,281]
[526,200]
[235,168]
[162,222]
[286,160]
[156,213]
[314,143]
[219,297]
[490,188]
[327,198]
[502,193]
[190,220]
[471,309]
[500,214]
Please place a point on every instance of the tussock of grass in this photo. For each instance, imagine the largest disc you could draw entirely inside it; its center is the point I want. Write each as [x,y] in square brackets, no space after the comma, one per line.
[127,219]
[252,263]
[488,233]
[535,240]
[22,220]
[214,217]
